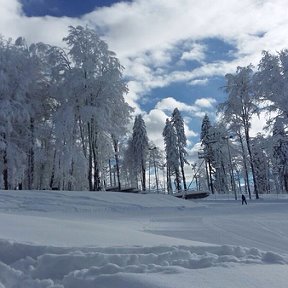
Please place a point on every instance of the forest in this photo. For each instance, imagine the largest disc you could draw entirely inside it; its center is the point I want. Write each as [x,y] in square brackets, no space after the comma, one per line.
[64,125]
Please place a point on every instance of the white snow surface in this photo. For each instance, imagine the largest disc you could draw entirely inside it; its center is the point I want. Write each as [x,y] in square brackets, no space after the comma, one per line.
[122,240]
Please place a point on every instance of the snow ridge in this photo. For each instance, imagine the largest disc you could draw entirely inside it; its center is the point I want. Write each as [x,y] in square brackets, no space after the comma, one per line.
[26,266]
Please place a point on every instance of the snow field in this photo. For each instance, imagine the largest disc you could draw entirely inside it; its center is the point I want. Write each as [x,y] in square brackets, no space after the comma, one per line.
[107,240]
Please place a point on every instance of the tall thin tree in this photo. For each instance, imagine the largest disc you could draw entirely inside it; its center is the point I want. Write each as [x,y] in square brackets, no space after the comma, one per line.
[140,145]
[178,124]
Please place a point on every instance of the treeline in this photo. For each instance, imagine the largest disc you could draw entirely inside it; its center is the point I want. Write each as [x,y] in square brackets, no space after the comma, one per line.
[63,125]
[235,161]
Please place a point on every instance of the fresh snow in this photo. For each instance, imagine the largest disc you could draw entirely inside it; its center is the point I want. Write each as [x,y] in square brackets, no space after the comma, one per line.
[111,239]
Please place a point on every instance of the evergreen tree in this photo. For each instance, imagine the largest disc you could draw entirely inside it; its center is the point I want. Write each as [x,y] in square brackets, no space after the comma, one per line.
[206,125]
[172,155]
[140,146]
[129,165]
[206,138]
[178,124]
[221,161]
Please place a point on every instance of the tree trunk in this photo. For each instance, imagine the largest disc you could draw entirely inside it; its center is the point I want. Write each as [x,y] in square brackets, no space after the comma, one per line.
[177,176]
[143,177]
[245,165]
[115,145]
[90,160]
[97,180]
[182,171]
[207,175]
[210,176]
[156,176]
[251,161]
[31,156]
[53,171]
[110,172]
[169,185]
[71,176]
[5,171]
[286,182]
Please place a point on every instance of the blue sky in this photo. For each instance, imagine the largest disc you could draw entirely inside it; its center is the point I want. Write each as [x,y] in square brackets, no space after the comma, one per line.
[175,52]
[59,8]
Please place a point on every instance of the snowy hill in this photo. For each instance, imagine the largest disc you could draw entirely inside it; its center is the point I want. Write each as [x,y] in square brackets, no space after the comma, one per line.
[111,239]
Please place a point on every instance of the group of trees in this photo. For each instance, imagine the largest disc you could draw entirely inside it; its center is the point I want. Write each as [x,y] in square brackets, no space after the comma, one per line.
[63,120]
[63,124]
[175,142]
[62,112]
[262,161]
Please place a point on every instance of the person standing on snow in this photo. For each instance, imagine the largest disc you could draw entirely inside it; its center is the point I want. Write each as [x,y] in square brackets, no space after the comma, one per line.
[244,199]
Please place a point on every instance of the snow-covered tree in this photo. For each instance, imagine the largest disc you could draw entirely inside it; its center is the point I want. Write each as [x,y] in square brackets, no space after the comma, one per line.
[271,82]
[97,87]
[18,74]
[222,159]
[38,105]
[62,112]
[280,153]
[234,127]
[206,139]
[172,155]
[241,104]
[178,124]
[129,165]
[261,165]
[156,164]
[140,146]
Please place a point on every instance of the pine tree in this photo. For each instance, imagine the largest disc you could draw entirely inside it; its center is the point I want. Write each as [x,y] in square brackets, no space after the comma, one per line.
[178,124]
[221,161]
[206,141]
[206,125]
[140,146]
[172,155]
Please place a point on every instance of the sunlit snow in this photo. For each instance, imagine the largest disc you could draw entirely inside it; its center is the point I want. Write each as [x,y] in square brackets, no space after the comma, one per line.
[106,239]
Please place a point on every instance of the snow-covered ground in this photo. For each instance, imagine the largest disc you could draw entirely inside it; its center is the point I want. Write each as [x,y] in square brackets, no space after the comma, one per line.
[107,240]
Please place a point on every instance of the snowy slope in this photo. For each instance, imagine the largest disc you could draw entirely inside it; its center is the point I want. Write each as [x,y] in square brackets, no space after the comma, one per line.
[84,239]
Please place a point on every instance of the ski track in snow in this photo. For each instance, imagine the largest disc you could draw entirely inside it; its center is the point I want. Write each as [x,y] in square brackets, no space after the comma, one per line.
[32,265]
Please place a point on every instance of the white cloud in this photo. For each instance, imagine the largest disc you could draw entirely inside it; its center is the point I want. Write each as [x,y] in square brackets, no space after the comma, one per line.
[199,82]
[155,123]
[170,103]
[189,132]
[135,89]
[196,53]
[205,102]
[156,26]
[200,107]
[35,29]
[147,34]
